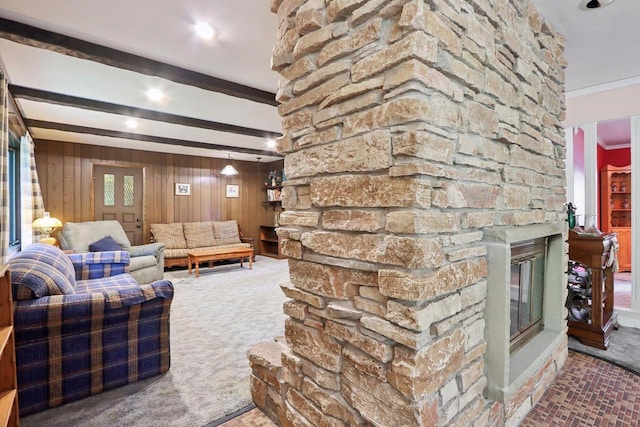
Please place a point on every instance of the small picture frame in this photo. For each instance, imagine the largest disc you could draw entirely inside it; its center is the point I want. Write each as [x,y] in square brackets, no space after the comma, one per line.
[183,189]
[233,190]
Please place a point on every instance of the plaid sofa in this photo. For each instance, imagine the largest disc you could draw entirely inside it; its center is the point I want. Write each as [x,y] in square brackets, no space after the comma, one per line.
[83,325]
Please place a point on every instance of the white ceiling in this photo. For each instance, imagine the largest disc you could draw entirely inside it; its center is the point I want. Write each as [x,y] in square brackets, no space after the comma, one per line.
[601,43]
[162,31]
[600,49]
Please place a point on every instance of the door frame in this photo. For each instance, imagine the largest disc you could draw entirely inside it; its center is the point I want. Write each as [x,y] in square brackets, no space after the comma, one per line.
[629,317]
[92,201]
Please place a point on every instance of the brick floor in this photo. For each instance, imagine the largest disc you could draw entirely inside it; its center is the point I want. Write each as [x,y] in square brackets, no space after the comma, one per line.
[587,392]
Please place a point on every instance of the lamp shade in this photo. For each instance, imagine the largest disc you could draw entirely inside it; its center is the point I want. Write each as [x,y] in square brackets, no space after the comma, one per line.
[229,170]
[46,223]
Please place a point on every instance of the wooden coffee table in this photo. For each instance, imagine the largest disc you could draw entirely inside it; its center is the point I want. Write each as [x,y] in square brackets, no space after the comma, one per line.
[198,256]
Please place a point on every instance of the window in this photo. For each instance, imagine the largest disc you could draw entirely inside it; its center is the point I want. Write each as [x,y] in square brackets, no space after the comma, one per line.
[14,190]
[526,290]
[109,189]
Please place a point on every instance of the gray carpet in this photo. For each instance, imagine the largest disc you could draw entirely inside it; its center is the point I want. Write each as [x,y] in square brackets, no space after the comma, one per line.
[214,320]
[624,349]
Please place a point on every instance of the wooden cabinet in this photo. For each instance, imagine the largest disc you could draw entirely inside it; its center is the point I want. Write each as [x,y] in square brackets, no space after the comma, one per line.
[8,382]
[615,209]
[270,244]
[596,297]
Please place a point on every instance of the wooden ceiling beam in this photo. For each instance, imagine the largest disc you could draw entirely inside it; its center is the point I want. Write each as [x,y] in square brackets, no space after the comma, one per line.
[38,95]
[41,124]
[71,46]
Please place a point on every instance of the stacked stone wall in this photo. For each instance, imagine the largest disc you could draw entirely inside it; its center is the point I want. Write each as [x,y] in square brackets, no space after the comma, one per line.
[409,127]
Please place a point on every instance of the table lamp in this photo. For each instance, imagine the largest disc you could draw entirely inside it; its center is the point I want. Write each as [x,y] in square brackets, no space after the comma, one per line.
[46,225]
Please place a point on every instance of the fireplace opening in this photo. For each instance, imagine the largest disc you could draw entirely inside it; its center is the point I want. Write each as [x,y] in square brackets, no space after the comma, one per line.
[525,317]
[526,291]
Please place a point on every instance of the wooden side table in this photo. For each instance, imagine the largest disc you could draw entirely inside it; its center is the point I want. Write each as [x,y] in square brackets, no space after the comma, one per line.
[593,253]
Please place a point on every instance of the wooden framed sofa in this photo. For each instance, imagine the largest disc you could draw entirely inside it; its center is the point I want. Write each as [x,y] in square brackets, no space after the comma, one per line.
[180,237]
[84,325]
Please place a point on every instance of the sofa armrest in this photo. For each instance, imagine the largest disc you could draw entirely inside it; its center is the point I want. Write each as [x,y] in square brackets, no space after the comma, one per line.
[96,265]
[149,249]
[42,318]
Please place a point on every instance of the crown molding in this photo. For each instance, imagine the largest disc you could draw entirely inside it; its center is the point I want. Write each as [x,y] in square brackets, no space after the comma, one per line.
[603,87]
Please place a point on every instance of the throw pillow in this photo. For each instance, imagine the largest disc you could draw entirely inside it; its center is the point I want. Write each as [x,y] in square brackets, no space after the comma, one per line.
[104,245]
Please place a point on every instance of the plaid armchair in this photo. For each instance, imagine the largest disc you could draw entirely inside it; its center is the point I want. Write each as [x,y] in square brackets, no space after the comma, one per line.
[83,325]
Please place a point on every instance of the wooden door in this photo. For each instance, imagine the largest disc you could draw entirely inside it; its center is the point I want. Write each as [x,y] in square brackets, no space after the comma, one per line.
[118,194]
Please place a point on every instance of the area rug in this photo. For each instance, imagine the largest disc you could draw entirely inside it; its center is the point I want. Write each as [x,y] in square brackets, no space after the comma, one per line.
[624,349]
[215,319]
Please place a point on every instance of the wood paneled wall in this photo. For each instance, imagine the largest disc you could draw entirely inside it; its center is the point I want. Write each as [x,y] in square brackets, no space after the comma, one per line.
[65,171]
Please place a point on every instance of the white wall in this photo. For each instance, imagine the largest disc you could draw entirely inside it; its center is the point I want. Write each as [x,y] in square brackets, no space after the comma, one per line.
[602,103]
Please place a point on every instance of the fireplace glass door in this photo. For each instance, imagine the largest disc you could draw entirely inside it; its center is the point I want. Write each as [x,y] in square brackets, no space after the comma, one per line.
[526,290]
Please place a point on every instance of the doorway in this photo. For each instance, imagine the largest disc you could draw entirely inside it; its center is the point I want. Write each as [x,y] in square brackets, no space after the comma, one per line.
[615,191]
[602,155]
[118,195]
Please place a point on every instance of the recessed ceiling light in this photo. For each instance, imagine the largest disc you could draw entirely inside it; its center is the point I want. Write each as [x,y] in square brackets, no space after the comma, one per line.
[271,143]
[593,4]
[131,123]
[204,30]
[155,94]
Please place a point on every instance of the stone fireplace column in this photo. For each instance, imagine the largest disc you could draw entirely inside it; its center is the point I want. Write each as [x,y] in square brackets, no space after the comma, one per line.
[409,126]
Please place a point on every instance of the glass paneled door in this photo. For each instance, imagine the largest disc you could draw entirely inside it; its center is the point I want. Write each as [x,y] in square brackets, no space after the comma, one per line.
[118,195]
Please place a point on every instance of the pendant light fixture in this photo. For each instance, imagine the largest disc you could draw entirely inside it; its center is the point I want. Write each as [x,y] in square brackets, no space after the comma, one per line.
[229,169]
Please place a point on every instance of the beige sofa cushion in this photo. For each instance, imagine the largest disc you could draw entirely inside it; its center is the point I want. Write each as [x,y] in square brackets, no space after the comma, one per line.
[199,234]
[226,232]
[170,234]
[176,253]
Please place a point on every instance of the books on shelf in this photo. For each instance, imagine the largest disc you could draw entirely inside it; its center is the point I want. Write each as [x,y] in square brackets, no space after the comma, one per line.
[274,194]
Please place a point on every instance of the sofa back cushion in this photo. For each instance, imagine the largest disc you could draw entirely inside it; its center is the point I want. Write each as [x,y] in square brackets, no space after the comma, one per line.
[79,235]
[41,270]
[199,234]
[226,232]
[171,235]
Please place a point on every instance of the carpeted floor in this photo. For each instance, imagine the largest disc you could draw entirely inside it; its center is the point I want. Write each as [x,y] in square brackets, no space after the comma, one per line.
[214,320]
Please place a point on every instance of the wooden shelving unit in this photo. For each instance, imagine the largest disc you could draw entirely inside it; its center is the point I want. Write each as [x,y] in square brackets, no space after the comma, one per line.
[8,381]
[615,209]
[273,193]
[270,244]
